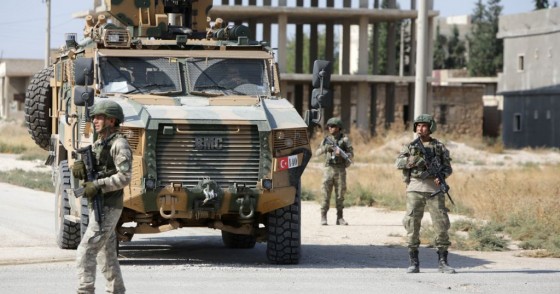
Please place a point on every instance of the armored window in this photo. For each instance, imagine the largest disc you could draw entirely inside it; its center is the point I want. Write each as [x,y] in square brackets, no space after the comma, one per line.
[517,122]
[139,75]
[222,77]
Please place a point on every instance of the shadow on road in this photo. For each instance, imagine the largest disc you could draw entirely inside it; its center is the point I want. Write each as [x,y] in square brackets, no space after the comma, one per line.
[209,250]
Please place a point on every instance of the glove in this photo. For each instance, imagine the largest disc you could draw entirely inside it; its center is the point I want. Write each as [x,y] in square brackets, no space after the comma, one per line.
[79,170]
[415,161]
[90,190]
[330,148]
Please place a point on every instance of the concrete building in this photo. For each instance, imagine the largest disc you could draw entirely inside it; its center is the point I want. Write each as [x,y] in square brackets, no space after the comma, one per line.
[530,82]
[357,93]
[15,75]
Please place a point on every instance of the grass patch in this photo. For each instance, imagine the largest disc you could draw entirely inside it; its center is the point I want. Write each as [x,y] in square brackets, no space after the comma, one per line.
[470,235]
[29,179]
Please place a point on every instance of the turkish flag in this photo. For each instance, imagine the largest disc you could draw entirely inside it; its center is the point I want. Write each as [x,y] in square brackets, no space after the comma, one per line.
[282,163]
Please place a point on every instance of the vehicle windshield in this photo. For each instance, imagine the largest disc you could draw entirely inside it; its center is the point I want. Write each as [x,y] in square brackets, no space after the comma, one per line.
[203,76]
[144,75]
[219,77]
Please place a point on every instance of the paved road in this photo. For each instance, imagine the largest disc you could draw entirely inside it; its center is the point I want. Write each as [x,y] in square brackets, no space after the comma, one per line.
[335,260]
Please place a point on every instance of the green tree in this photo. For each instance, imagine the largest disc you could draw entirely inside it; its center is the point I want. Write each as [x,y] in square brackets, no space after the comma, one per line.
[456,51]
[440,52]
[291,52]
[485,50]
[383,54]
[541,4]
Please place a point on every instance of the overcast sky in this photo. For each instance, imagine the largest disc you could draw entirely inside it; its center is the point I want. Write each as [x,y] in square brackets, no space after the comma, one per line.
[23,22]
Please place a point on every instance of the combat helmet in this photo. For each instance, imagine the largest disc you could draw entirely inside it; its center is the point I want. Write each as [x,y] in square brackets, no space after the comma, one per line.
[108,108]
[425,118]
[335,121]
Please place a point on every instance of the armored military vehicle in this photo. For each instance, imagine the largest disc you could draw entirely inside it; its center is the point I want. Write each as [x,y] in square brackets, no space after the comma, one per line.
[214,145]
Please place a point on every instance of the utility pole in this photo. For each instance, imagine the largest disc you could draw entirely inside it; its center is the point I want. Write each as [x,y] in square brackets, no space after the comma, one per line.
[48,37]
[421,63]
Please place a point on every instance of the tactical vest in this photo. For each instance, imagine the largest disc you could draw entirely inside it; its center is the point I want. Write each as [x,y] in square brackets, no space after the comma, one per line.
[434,146]
[331,159]
[105,167]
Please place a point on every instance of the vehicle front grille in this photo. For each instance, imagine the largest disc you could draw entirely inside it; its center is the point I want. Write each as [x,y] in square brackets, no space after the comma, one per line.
[226,154]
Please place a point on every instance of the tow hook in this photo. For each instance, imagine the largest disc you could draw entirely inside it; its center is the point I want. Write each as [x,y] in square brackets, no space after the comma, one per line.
[167,200]
[242,204]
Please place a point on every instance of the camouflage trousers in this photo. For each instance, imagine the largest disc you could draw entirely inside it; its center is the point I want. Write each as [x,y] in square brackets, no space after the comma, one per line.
[99,246]
[333,177]
[416,202]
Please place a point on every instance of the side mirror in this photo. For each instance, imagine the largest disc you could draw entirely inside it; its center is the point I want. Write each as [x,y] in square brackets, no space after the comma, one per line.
[83,96]
[321,74]
[83,71]
[321,98]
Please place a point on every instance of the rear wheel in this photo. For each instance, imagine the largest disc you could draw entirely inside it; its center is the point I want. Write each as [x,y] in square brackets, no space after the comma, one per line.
[67,232]
[284,233]
[238,241]
[38,103]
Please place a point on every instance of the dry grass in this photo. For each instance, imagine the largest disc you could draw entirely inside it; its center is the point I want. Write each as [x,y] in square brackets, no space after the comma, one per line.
[523,199]
[16,140]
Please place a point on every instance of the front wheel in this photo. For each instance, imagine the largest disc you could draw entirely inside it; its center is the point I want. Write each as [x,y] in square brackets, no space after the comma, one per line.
[67,232]
[284,233]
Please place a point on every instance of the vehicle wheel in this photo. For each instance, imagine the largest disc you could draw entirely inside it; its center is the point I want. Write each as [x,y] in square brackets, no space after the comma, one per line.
[238,241]
[38,102]
[67,232]
[84,215]
[284,233]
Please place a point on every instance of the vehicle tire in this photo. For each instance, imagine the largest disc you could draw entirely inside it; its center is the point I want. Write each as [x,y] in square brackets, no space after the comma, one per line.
[38,102]
[238,241]
[84,215]
[67,232]
[284,233]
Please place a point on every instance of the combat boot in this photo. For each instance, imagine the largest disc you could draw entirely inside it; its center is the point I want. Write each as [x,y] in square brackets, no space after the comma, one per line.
[339,219]
[414,262]
[323,217]
[443,266]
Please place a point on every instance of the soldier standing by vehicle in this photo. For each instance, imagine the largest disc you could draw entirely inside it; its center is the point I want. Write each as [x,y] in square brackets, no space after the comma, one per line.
[423,190]
[113,163]
[336,146]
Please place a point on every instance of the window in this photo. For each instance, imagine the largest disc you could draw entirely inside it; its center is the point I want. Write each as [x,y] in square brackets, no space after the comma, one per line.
[517,122]
[520,62]
[443,109]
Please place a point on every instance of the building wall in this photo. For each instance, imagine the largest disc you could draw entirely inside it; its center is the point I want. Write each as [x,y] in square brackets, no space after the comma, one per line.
[530,82]
[531,120]
[531,50]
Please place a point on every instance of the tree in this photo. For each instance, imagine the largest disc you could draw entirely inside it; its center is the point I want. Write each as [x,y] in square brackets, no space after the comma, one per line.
[456,50]
[440,52]
[541,4]
[291,53]
[485,50]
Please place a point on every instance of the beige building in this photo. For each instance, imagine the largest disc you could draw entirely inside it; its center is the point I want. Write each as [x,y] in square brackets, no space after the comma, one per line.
[15,75]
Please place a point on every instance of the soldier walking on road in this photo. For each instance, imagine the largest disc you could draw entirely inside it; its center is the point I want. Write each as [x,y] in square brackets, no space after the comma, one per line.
[113,162]
[334,176]
[421,191]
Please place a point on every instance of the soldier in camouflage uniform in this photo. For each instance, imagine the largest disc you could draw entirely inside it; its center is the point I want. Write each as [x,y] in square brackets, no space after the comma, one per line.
[420,187]
[114,158]
[335,169]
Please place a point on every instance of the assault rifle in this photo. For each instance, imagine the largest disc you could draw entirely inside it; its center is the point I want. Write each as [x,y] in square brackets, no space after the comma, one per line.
[434,168]
[343,154]
[87,157]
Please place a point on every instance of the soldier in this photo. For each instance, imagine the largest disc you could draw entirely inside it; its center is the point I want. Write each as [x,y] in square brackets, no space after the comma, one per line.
[113,159]
[335,169]
[420,186]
